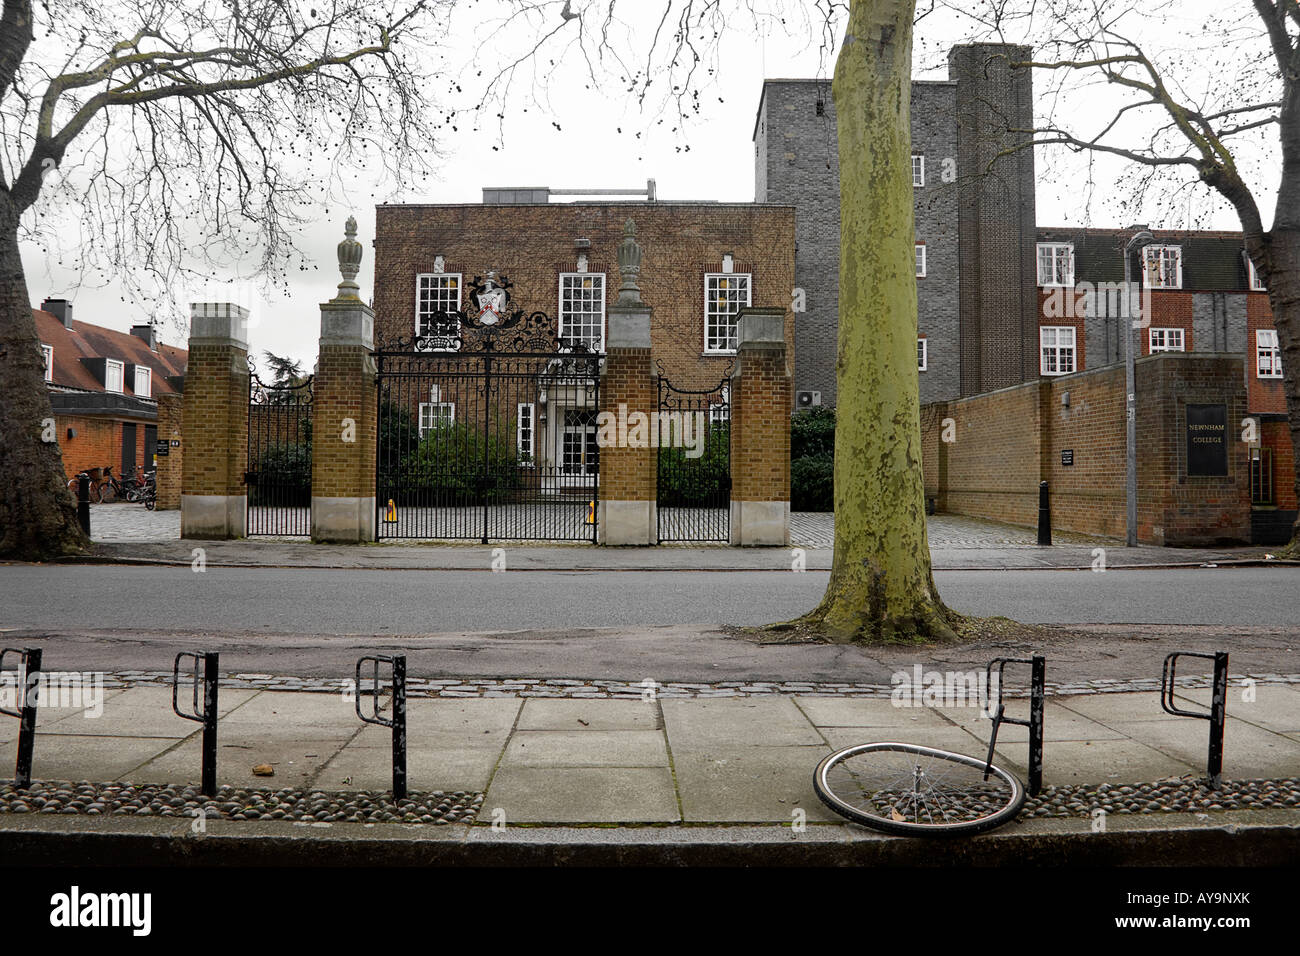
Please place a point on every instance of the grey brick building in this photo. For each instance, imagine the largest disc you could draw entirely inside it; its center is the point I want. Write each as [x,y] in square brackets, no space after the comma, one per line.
[974,217]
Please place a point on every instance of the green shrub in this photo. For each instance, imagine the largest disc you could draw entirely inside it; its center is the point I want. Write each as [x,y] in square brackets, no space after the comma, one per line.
[283,476]
[812,460]
[812,432]
[703,482]
[448,462]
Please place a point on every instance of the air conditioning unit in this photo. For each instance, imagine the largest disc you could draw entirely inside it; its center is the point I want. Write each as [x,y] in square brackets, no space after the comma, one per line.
[807,399]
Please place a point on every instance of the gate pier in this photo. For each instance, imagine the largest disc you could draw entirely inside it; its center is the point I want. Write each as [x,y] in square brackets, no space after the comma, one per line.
[344,417]
[214,504]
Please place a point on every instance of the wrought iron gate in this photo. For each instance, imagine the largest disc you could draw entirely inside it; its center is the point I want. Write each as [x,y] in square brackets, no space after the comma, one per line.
[279,457]
[694,467]
[487,428]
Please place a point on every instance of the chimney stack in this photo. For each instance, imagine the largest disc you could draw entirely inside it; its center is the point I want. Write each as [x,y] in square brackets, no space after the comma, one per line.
[148,333]
[60,309]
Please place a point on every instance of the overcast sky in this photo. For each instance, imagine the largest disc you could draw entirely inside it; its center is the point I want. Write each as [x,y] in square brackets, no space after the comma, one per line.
[587,151]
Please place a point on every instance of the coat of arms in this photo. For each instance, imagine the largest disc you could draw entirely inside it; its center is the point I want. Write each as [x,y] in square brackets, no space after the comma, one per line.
[492,301]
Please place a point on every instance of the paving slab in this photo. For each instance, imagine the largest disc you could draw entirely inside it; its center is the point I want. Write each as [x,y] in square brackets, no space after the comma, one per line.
[586,748]
[442,768]
[296,762]
[582,795]
[1106,761]
[750,784]
[142,712]
[85,756]
[1115,709]
[539,714]
[281,712]
[1248,751]
[1276,707]
[872,712]
[955,739]
[699,724]
[1059,723]
[471,716]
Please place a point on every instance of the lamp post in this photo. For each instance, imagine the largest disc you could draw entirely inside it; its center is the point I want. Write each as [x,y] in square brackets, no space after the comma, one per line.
[1140,238]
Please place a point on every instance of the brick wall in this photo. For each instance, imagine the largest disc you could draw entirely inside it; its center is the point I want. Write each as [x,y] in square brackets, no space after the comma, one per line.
[171,465]
[532,244]
[344,388]
[628,474]
[216,420]
[1009,440]
[761,396]
[98,442]
[797,161]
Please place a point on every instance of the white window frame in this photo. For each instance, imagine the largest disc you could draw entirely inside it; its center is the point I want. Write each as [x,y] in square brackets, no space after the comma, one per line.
[920,260]
[1155,267]
[47,353]
[918,170]
[421,313]
[147,392]
[922,354]
[590,468]
[1057,251]
[1253,280]
[599,344]
[1058,349]
[109,366]
[1268,354]
[712,317]
[1167,337]
[526,452]
[446,412]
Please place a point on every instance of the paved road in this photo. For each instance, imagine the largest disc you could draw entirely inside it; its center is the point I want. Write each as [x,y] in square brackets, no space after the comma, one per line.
[315,622]
[308,601]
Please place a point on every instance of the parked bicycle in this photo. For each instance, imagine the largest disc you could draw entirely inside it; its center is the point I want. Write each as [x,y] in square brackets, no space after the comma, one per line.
[105,487]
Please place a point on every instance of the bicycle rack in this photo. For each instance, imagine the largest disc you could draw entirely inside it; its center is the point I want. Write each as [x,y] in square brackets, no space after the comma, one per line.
[1218,705]
[208,716]
[1037,680]
[30,674]
[398,720]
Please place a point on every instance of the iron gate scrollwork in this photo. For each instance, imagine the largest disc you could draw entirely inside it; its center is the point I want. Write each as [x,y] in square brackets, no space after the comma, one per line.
[487,427]
[278,474]
[694,463]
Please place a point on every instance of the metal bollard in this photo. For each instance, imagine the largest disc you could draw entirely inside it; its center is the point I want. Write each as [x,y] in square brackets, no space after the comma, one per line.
[83,502]
[1218,706]
[26,712]
[1044,515]
[398,721]
[207,716]
[1037,706]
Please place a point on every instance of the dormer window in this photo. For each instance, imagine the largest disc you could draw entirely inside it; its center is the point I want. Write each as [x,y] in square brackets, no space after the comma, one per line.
[113,373]
[143,382]
[1163,267]
[47,353]
[1056,263]
[1256,283]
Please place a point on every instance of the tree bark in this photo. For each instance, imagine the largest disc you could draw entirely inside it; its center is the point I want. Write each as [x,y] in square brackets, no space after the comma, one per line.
[881,588]
[38,517]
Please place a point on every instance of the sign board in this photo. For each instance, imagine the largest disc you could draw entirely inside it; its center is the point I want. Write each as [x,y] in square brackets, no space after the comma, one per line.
[1207,440]
[162,448]
[1067,457]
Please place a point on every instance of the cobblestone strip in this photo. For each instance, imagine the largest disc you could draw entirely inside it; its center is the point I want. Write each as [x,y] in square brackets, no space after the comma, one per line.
[635,690]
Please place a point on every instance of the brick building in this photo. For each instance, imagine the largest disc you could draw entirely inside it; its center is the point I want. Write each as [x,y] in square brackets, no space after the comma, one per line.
[1003,301]
[702,263]
[105,388]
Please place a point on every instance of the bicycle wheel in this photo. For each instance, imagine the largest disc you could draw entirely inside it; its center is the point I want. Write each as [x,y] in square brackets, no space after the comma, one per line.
[911,790]
[107,493]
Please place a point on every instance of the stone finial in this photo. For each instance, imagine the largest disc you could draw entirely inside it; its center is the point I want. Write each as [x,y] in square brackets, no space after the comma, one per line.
[629,266]
[349,261]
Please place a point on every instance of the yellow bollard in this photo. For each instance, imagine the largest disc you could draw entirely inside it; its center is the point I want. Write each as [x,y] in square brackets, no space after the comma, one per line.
[591,513]
[391,514]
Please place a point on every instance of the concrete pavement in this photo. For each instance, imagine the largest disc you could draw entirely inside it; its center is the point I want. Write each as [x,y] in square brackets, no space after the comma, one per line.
[632,761]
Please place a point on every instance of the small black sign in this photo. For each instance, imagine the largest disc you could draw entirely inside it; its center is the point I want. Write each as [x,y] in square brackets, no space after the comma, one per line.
[162,448]
[1207,440]
[1067,457]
